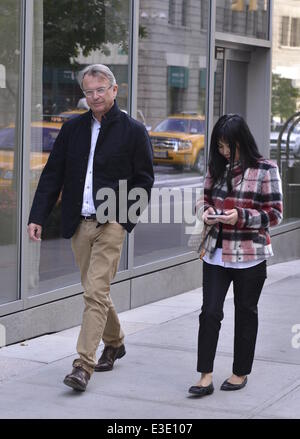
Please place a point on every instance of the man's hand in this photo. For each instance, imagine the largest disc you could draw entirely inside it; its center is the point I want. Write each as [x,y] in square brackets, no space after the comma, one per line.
[34,231]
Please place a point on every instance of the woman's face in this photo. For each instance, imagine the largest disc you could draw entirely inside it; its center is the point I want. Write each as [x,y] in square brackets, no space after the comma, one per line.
[224,150]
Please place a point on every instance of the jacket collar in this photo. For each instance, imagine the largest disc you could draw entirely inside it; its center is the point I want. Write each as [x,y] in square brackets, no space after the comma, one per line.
[236,169]
[235,165]
[109,117]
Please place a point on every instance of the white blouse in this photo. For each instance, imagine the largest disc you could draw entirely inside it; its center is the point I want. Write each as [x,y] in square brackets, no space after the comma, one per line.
[216,259]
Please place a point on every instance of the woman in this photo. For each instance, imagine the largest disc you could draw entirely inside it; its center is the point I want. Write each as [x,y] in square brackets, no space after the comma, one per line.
[245,190]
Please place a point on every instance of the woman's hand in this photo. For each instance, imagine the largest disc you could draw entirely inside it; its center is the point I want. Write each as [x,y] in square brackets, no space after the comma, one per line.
[229,217]
[209,211]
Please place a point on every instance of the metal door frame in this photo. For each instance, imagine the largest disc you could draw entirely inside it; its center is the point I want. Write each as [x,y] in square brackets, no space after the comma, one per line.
[231,53]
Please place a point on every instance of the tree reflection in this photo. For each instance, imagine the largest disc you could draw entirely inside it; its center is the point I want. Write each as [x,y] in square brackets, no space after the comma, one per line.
[75,27]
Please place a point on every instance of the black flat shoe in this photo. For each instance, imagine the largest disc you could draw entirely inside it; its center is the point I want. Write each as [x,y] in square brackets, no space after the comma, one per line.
[201,390]
[228,386]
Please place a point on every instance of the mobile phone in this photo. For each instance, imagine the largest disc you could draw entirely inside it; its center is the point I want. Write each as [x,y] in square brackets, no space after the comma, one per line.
[214,215]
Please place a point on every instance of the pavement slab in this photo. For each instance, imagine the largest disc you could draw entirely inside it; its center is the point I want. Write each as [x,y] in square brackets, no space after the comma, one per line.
[152,380]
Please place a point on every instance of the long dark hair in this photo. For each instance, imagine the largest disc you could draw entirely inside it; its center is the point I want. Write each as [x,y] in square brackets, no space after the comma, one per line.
[232,130]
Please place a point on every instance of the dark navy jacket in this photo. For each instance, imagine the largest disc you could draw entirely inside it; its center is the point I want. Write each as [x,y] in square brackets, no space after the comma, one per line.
[123,152]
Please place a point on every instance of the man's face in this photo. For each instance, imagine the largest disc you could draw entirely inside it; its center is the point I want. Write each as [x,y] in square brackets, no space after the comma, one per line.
[99,93]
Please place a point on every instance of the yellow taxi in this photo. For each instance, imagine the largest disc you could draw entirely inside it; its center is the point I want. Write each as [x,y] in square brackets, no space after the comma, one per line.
[66,115]
[43,135]
[179,141]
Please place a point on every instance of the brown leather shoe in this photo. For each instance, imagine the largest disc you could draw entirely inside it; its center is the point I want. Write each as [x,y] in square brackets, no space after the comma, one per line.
[108,357]
[78,379]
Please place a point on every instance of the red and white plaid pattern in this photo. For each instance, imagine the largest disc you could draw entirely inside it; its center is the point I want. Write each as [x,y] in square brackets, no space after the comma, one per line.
[258,200]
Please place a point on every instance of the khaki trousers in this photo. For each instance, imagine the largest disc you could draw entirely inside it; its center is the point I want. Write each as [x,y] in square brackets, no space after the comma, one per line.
[97,252]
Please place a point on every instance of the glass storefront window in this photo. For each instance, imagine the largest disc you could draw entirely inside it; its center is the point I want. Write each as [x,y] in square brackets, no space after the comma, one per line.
[171,97]
[10,13]
[286,102]
[243,17]
[67,37]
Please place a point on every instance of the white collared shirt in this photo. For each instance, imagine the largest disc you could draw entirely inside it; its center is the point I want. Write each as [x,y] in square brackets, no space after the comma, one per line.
[216,259]
[88,206]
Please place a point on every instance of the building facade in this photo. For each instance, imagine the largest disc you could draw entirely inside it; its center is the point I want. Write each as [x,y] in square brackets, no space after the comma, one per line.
[179,64]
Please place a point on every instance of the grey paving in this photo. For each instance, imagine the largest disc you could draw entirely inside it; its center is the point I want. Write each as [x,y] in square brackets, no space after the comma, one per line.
[152,380]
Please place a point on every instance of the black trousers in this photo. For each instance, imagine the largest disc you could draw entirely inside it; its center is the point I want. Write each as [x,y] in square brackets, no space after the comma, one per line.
[247,286]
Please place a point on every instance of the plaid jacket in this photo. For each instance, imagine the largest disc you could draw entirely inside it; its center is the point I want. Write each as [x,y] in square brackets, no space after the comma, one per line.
[258,200]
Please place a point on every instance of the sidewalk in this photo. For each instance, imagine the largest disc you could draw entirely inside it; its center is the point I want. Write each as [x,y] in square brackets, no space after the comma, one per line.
[152,380]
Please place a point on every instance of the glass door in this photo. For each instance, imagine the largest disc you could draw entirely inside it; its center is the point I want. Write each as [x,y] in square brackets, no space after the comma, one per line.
[230,87]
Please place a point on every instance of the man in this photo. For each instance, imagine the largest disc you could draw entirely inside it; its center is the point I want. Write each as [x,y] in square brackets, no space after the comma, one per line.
[94,151]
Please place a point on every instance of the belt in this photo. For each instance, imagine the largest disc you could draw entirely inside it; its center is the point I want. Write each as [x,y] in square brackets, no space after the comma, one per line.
[91,217]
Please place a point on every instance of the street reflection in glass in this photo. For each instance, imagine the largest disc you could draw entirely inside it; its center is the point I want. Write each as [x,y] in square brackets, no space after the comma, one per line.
[171,97]
[10,14]
[285,121]
[67,37]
